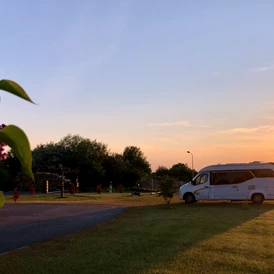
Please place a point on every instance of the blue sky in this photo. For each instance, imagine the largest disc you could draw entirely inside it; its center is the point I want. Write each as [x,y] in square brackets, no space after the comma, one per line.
[168,76]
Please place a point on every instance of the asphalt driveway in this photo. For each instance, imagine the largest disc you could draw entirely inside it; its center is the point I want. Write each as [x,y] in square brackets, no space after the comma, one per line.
[24,224]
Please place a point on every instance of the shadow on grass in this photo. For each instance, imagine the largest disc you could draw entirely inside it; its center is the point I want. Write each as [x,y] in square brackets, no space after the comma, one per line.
[229,238]
[137,241]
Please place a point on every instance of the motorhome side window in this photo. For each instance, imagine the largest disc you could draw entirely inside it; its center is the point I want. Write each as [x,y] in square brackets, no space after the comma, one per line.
[201,179]
[263,173]
[230,177]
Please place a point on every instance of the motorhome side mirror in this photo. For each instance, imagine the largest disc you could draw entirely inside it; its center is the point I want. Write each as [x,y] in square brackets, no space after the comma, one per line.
[193,182]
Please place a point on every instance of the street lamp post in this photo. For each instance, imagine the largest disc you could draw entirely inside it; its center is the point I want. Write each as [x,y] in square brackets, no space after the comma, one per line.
[192,164]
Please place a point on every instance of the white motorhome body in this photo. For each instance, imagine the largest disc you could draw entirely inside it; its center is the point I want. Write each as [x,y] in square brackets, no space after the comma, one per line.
[247,181]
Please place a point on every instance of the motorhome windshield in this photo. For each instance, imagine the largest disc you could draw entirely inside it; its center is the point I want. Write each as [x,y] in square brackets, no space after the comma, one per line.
[193,179]
[201,178]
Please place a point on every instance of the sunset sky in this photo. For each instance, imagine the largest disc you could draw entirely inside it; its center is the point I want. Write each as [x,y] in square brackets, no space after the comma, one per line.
[167,76]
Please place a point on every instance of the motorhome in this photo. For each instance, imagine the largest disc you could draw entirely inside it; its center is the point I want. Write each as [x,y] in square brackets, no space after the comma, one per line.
[243,181]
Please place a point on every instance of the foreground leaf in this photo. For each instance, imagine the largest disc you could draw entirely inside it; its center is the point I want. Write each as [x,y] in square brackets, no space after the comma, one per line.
[14,88]
[2,199]
[16,139]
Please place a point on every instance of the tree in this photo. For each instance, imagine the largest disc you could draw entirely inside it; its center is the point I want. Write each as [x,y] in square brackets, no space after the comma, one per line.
[87,156]
[12,164]
[77,155]
[137,166]
[162,171]
[167,188]
[181,172]
[115,168]
[9,169]
[48,156]
[6,180]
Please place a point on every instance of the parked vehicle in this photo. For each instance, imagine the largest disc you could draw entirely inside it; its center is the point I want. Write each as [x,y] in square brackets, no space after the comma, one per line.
[246,181]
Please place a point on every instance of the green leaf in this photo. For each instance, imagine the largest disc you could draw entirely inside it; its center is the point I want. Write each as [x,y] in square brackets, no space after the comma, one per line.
[16,139]
[14,88]
[2,199]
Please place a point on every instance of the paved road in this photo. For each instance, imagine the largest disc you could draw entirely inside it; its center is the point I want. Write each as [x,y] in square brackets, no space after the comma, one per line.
[25,224]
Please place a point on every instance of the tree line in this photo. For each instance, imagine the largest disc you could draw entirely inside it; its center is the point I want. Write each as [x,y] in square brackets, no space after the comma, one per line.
[91,163]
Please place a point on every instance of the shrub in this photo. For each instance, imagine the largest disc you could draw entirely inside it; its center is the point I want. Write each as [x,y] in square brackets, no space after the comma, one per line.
[31,190]
[23,180]
[167,188]
[99,189]
[16,194]
[72,188]
[121,188]
[14,137]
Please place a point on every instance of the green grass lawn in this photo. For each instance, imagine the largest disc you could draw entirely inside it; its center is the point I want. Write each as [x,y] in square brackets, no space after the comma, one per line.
[124,199]
[199,238]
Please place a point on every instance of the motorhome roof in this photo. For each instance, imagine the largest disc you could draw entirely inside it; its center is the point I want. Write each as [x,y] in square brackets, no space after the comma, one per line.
[237,166]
